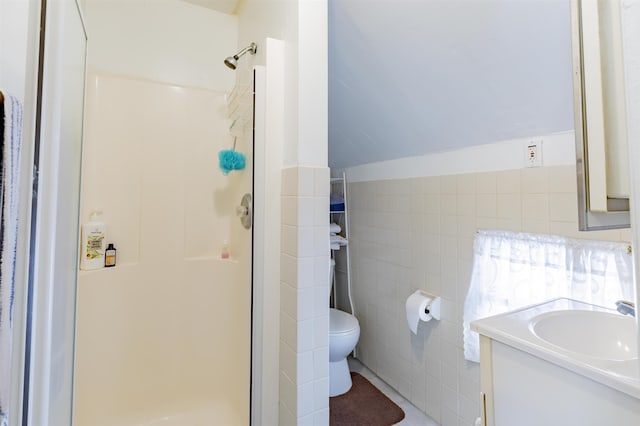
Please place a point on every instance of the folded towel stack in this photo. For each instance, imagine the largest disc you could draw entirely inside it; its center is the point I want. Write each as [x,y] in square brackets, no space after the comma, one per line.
[334,229]
[336,240]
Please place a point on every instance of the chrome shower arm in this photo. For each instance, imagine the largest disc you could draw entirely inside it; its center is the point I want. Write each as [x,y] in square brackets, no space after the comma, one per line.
[252,48]
[231,61]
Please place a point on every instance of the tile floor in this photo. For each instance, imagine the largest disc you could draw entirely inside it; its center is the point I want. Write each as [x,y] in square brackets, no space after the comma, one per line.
[412,415]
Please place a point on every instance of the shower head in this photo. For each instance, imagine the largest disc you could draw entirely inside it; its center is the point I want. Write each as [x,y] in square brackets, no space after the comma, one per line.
[232,61]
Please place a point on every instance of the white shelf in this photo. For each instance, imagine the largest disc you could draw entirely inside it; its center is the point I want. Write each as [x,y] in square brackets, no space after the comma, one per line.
[344,222]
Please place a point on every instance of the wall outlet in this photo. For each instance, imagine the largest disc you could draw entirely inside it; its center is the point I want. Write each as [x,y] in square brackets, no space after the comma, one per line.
[533,153]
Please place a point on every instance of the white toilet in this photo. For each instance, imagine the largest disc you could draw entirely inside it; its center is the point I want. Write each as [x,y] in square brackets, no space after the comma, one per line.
[344,332]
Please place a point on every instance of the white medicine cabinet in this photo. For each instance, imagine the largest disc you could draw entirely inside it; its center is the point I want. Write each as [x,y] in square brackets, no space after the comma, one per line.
[600,115]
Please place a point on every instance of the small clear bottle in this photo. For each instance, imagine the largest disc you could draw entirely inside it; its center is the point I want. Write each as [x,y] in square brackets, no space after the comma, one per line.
[224,253]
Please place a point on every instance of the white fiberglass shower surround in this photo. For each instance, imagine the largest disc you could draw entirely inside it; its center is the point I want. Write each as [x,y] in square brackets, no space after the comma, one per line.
[169,326]
[165,337]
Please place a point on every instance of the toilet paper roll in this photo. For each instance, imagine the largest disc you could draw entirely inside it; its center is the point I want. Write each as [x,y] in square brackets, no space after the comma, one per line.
[416,306]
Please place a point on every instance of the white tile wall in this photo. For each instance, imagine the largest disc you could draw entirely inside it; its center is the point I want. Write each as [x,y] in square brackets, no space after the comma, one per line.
[304,355]
[418,233]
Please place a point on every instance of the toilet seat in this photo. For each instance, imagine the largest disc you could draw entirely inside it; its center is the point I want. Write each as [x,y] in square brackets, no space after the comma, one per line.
[342,322]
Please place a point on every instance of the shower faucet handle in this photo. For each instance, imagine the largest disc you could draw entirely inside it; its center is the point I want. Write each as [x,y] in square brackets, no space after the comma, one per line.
[245,211]
[242,211]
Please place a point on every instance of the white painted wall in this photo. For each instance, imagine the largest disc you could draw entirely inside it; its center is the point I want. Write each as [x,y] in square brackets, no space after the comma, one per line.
[259,19]
[313,83]
[225,6]
[165,40]
[14,21]
[302,24]
[556,149]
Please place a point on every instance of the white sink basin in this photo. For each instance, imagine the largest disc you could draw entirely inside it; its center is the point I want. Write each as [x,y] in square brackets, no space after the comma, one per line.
[590,340]
[596,334]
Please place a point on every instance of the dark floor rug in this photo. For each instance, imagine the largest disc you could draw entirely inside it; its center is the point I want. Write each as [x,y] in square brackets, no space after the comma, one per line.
[363,405]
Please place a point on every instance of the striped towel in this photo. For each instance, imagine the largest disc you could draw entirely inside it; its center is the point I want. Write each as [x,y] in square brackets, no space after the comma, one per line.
[10,146]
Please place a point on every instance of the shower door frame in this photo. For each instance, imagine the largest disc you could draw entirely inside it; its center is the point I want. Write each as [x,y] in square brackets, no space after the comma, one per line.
[47,386]
[268,138]
[257,250]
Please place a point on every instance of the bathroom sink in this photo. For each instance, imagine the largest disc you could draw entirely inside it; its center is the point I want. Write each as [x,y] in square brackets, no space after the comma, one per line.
[597,334]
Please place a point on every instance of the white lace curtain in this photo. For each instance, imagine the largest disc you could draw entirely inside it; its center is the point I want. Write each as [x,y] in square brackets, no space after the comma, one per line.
[512,270]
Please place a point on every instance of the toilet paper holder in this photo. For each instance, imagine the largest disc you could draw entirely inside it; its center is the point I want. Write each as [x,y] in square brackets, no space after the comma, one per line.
[433,308]
[421,307]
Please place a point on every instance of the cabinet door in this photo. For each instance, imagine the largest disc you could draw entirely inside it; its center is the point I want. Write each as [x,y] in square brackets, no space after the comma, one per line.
[600,115]
[528,391]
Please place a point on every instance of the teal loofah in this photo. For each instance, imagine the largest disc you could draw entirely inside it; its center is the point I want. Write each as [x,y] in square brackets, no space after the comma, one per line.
[231,160]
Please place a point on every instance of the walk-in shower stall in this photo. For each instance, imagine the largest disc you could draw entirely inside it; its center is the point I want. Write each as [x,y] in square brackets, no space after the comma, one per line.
[165,336]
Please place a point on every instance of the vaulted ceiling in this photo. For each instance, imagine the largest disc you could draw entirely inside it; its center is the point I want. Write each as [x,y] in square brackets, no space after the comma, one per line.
[411,77]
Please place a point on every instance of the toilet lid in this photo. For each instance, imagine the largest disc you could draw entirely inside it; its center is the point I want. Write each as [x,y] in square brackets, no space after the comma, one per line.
[341,322]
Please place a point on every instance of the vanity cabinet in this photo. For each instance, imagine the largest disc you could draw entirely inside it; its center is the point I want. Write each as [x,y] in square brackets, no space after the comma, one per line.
[521,389]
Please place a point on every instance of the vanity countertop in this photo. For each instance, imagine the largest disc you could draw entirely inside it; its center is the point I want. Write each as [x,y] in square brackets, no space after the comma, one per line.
[518,329]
